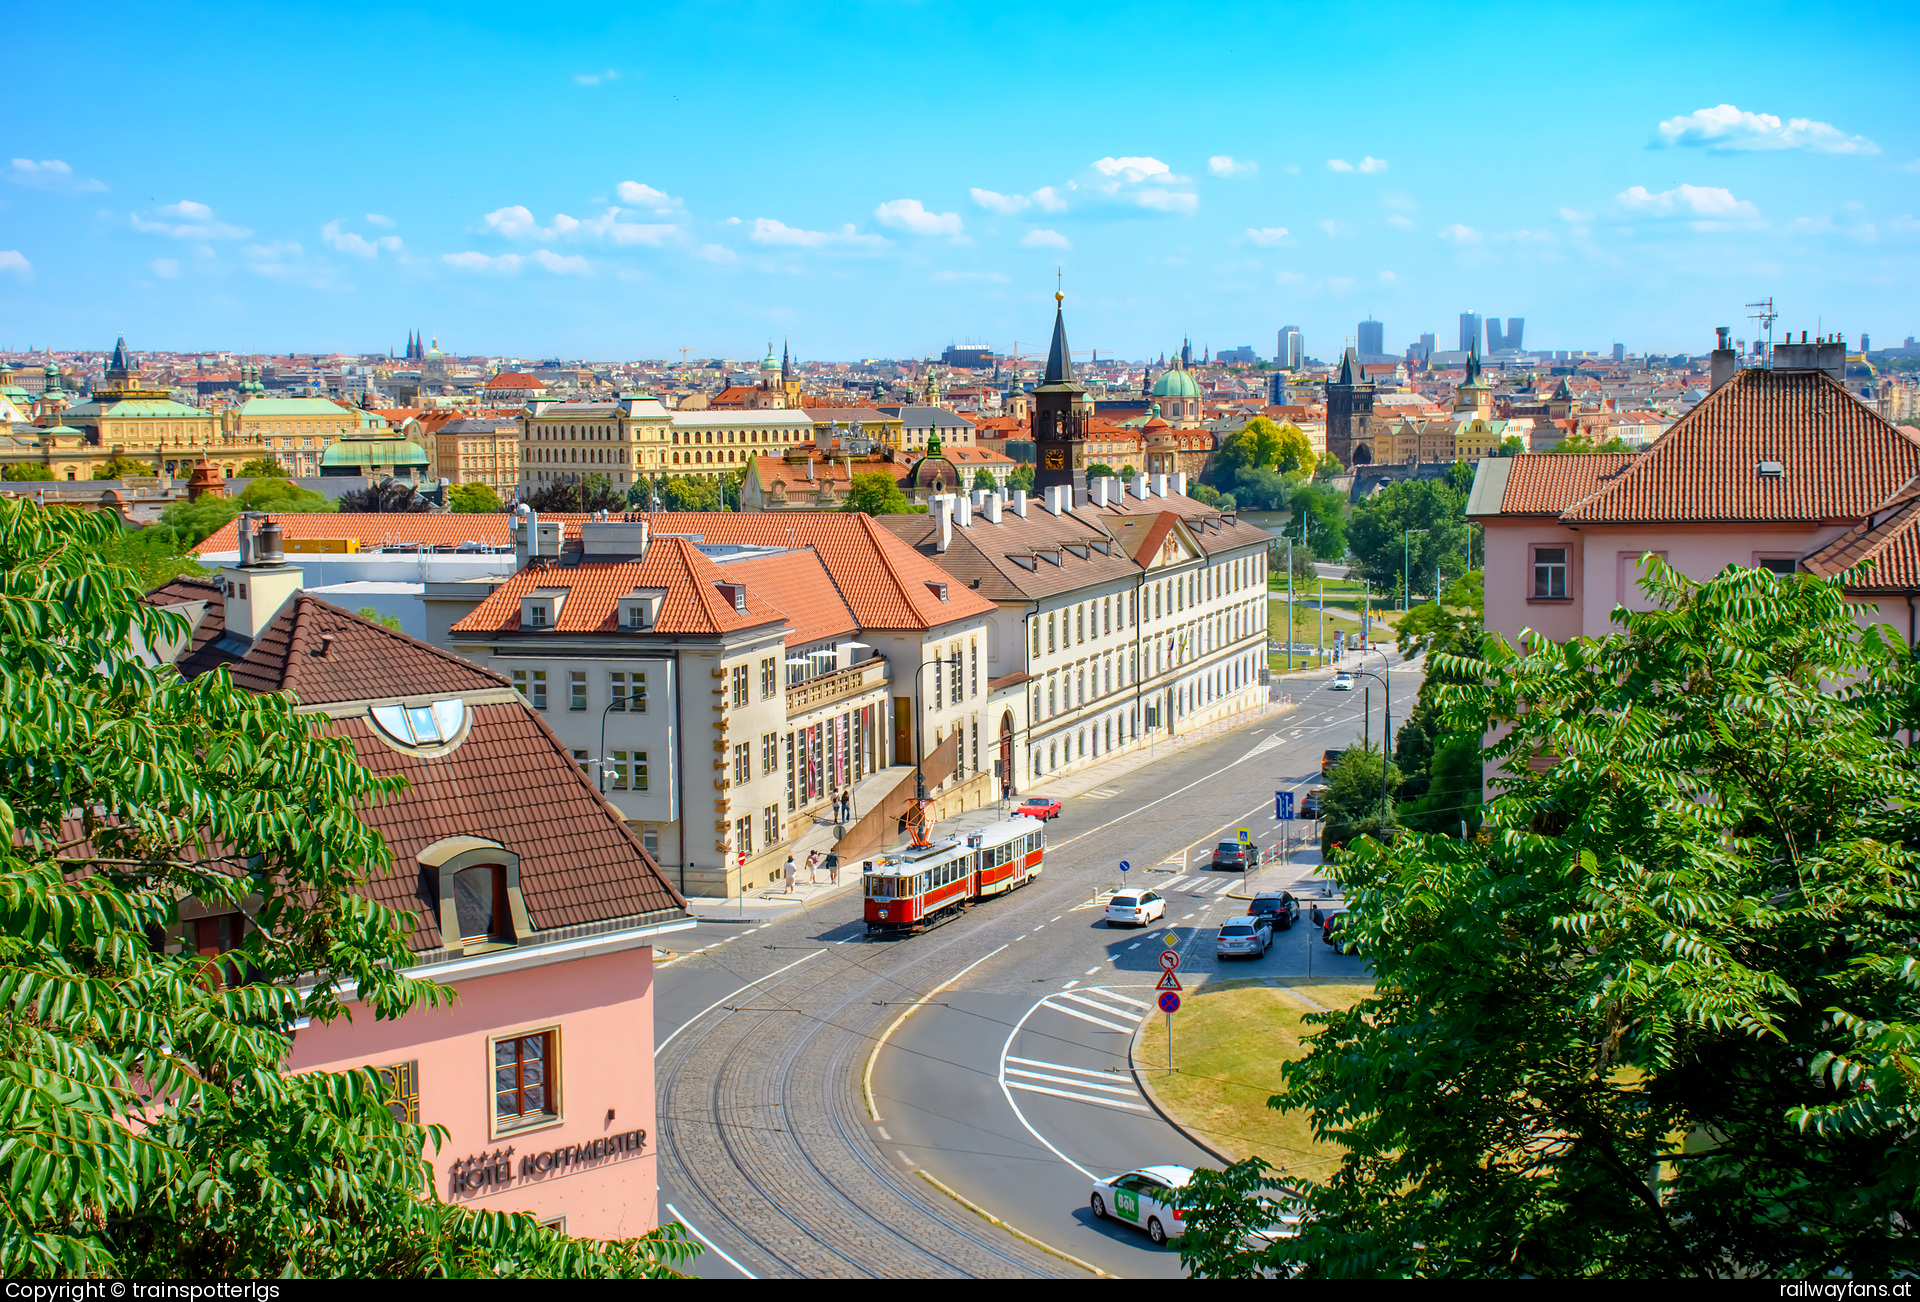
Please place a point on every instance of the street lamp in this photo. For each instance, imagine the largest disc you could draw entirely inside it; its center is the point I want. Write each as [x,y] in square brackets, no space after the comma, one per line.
[919,740]
[1386,725]
[1406,572]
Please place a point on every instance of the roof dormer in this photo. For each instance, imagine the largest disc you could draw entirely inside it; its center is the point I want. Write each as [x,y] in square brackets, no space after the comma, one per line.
[640,609]
[540,608]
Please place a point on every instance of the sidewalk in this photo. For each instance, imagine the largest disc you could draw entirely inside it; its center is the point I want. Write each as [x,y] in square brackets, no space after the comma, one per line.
[1081,781]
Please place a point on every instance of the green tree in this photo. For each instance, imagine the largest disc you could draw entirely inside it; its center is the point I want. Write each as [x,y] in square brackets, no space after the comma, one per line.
[474,498]
[1511,446]
[876,493]
[262,468]
[1659,1019]
[121,467]
[1100,470]
[1324,509]
[1021,480]
[1212,497]
[27,472]
[373,616]
[285,497]
[149,1127]
[1576,443]
[1328,467]
[184,525]
[1442,767]
[1352,806]
[984,482]
[690,493]
[1377,533]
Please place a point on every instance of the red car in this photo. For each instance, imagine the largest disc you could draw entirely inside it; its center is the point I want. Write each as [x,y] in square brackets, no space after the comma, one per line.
[1040,807]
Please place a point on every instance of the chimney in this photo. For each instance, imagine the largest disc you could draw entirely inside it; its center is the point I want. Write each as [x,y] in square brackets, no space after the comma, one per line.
[1829,355]
[623,538]
[1139,488]
[963,506]
[1020,505]
[1180,484]
[259,586]
[942,507]
[1050,499]
[1098,489]
[1159,485]
[1724,361]
[992,508]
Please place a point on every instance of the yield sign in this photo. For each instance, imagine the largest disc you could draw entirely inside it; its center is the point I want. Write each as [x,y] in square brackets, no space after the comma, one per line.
[1168,981]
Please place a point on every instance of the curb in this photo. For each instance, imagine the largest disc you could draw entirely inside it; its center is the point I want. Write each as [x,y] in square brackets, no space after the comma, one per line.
[1140,1079]
[1022,1235]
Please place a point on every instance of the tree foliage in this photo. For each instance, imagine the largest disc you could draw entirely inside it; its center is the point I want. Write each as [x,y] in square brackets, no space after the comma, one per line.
[1021,480]
[588,493]
[373,616]
[262,468]
[475,498]
[148,1127]
[1262,464]
[1442,766]
[984,482]
[876,493]
[1580,443]
[183,525]
[1660,1018]
[691,493]
[388,497]
[27,472]
[121,467]
[1377,533]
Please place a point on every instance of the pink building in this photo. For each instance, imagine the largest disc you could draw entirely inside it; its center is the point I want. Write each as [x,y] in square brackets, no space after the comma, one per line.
[532,897]
[1781,469]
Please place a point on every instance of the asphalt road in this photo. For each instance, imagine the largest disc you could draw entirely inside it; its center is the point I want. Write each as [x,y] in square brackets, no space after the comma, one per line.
[1008,1083]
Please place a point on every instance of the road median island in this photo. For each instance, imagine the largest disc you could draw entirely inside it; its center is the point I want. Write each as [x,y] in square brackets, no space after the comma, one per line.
[1229,1039]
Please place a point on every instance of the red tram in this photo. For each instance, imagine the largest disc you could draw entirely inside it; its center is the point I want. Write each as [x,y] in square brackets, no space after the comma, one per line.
[917,887]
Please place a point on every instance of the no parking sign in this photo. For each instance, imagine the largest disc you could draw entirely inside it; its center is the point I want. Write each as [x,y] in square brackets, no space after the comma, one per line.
[1169,1002]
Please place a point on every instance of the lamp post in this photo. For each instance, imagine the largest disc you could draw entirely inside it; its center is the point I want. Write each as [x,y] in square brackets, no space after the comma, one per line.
[1386,728]
[601,762]
[919,731]
[1406,572]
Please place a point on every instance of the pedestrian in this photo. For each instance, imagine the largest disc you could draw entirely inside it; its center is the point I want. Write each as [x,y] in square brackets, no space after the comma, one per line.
[789,874]
[813,867]
[833,869]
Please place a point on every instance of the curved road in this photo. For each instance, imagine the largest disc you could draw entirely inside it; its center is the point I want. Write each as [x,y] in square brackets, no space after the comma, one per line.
[1009,1085]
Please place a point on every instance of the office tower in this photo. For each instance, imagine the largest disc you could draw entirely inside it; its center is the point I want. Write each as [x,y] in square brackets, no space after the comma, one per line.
[1866,342]
[1469,331]
[1372,338]
[1426,348]
[1292,350]
[1619,352]
[1495,340]
[1516,331]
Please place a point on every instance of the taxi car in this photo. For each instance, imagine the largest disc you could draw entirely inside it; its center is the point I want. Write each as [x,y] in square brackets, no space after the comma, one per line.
[1342,682]
[1135,907]
[1146,1197]
[1040,807]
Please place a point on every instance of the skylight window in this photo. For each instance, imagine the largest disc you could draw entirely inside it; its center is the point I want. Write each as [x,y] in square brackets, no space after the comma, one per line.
[422,725]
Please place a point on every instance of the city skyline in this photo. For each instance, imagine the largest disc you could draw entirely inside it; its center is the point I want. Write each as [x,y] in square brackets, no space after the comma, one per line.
[629,187]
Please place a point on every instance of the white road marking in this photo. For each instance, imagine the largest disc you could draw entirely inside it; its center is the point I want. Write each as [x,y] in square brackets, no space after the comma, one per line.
[1061,1066]
[1103,1086]
[1090,971]
[1079,1098]
[723,999]
[1074,1012]
[1185,916]
[1226,886]
[709,1242]
[1108,1009]
[1125,999]
[883,1133]
[1174,881]
[904,1159]
[1071,984]
[1136,944]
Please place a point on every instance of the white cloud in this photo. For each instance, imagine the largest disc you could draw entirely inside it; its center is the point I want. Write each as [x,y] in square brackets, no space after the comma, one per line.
[1728,129]
[651,234]
[51,174]
[1225,165]
[359,246]
[198,223]
[1387,277]
[375,219]
[1004,204]
[1267,234]
[950,277]
[1339,165]
[1371,164]
[506,262]
[1401,220]
[14,263]
[645,196]
[514,222]
[1335,229]
[1699,200]
[1133,170]
[1460,234]
[166,268]
[559,265]
[716,253]
[911,215]
[595,78]
[1166,200]
[1575,216]
[1042,238]
[768,231]
[1050,201]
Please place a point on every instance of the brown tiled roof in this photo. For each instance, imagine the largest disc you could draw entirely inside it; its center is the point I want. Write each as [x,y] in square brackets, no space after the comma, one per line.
[1547,483]
[693,604]
[1018,560]
[363,661]
[799,585]
[1841,458]
[1889,538]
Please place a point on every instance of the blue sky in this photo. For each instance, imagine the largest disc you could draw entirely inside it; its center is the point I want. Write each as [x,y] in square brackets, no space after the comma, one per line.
[881,179]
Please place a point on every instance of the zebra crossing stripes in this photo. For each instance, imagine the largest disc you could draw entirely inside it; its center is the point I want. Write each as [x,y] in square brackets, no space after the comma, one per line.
[1100,793]
[1077,1083]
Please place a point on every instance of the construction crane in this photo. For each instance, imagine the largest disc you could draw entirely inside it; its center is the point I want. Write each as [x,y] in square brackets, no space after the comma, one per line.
[683,355]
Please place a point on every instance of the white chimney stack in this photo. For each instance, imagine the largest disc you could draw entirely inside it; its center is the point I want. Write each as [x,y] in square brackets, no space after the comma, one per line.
[943,513]
[1180,484]
[964,505]
[1159,485]
[1139,488]
[1098,488]
[992,508]
[1020,505]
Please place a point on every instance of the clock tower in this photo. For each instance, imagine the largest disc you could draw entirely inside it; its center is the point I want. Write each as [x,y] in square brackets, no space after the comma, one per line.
[1060,411]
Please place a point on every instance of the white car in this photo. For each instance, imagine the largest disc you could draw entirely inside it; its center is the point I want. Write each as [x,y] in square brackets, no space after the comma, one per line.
[1342,682]
[1147,1197]
[1135,908]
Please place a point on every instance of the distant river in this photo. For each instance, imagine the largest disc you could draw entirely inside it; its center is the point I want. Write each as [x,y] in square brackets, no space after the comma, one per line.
[1272,521]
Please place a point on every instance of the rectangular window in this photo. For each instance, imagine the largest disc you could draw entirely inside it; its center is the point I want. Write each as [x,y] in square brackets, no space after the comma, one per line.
[1550,572]
[576,689]
[1036,636]
[650,841]
[639,770]
[637,692]
[769,754]
[973,670]
[1080,623]
[1776,564]
[520,681]
[479,901]
[958,670]
[769,677]
[617,691]
[743,835]
[1050,641]
[526,1080]
[580,758]
[792,789]
[539,686]
[770,824]
[742,763]
[939,687]
[1106,615]
[619,765]
[739,685]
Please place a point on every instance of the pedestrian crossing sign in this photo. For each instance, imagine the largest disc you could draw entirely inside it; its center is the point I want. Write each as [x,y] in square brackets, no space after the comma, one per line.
[1245,834]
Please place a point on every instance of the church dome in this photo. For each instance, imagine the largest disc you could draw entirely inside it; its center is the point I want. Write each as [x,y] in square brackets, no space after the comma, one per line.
[771,363]
[1175,383]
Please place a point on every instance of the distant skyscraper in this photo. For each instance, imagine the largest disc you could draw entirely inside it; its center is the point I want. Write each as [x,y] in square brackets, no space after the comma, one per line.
[1469,331]
[1292,350]
[1516,331]
[1426,348]
[1495,339]
[1866,342]
[1372,338]
[1619,352]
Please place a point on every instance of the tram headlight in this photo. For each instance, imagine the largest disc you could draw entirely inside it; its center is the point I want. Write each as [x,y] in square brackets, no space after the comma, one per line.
[883,915]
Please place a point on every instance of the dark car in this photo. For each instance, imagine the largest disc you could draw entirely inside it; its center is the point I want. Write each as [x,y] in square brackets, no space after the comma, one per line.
[1280,906]
[1231,854]
[1329,759]
[1040,807]
[1311,806]
[1333,932]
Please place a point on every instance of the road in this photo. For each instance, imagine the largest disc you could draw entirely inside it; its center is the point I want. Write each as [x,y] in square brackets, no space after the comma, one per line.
[1007,1081]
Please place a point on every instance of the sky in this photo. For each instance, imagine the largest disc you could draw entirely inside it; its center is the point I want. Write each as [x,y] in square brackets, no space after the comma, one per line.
[883,179]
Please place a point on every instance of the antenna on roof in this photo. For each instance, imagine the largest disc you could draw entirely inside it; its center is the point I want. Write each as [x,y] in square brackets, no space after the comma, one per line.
[1765,316]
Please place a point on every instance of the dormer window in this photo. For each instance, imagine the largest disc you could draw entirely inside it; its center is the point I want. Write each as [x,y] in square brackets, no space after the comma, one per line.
[640,608]
[438,724]
[539,615]
[479,901]
[540,609]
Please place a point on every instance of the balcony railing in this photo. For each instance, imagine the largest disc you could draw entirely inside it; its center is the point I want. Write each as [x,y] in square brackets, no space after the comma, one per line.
[837,685]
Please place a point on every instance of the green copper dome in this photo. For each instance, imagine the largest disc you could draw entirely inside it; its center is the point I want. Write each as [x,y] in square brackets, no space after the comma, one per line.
[1175,383]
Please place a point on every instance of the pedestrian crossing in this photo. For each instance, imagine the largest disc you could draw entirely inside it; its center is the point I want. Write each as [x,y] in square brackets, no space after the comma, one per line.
[1100,793]
[1103,1088]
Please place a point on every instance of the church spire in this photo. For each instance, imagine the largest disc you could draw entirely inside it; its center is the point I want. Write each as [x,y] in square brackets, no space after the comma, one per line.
[1059,356]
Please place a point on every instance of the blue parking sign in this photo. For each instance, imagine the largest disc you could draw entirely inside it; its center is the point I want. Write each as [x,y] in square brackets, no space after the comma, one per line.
[1283,806]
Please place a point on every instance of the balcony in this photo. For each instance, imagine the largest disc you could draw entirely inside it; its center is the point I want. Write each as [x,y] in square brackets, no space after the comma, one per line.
[838,685]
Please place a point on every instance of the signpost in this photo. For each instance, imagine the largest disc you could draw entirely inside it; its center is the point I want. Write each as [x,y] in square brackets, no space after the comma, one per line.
[1245,835]
[1124,865]
[1169,983]
[1282,806]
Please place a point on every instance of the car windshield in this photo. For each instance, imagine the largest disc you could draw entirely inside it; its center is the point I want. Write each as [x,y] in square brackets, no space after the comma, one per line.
[1231,847]
[1126,901]
[1238,929]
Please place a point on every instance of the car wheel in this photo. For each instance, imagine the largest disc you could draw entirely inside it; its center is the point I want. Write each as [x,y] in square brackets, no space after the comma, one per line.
[1156,1232]
[1099,1206]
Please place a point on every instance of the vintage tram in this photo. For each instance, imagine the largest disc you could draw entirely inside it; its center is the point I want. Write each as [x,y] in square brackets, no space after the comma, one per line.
[921,886]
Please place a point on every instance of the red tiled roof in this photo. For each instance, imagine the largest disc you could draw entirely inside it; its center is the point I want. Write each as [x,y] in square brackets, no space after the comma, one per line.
[1547,483]
[799,585]
[515,380]
[1889,538]
[693,605]
[1840,457]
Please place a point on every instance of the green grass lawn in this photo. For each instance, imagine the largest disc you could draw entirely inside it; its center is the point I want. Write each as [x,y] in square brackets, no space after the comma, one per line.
[1229,1039]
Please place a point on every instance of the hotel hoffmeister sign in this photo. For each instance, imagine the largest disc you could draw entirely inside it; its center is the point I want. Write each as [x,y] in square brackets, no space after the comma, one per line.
[489,1171]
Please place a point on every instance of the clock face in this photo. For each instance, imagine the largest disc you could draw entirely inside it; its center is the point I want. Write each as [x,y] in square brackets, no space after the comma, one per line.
[1056,459]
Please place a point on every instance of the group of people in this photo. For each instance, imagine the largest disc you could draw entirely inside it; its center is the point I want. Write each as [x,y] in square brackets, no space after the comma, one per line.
[842,813]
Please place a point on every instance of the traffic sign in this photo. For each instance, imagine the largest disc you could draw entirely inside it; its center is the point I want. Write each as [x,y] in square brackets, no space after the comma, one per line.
[1283,806]
[1169,959]
[1245,834]
[1168,981]
[1124,865]
[1169,1002]
[1172,939]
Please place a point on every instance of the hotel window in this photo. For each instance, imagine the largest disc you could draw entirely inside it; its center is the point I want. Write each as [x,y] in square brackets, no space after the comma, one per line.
[480,902]
[739,685]
[742,763]
[576,689]
[770,824]
[1550,572]
[617,691]
[769,677]
[526,1080]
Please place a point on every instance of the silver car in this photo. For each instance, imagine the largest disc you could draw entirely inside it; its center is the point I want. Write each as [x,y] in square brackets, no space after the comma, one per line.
[1248,937]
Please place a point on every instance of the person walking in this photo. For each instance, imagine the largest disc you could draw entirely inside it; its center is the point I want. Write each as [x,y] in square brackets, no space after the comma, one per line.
[789,874]
[833,869]
[813,867]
